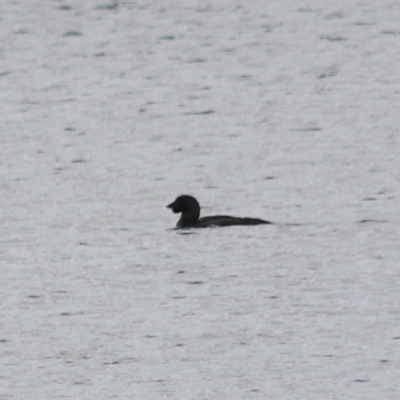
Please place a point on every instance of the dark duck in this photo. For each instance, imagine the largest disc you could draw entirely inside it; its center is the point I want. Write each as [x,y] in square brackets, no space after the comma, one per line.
[190,209]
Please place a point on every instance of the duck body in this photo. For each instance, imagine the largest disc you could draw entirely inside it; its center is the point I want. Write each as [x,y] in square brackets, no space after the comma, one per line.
[189,207]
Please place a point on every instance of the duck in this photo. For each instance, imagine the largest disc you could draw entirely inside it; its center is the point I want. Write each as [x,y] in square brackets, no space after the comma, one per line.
[189,207]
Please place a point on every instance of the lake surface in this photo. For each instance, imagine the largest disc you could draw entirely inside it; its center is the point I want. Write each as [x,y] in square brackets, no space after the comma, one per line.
[281,110]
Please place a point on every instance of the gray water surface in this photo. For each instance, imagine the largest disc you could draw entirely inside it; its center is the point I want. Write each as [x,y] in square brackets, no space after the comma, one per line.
[282,110]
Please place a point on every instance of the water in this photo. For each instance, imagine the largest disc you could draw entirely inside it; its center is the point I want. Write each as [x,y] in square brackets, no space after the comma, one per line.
[279,111]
